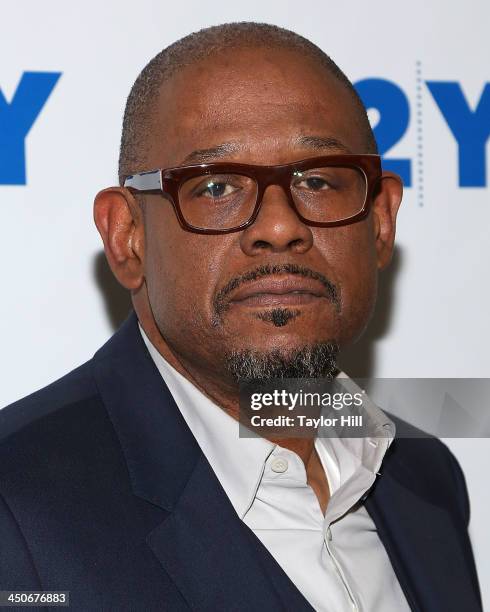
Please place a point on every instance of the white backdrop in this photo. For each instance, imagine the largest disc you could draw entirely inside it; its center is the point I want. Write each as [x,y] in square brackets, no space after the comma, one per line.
[58,303]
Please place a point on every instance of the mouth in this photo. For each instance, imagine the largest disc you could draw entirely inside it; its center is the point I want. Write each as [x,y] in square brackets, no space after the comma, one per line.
[283,291]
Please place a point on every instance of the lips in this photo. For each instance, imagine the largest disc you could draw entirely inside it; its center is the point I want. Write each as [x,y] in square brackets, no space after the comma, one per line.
[279,290]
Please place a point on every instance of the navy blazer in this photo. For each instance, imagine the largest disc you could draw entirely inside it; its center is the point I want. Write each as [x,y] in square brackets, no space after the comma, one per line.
[105,493]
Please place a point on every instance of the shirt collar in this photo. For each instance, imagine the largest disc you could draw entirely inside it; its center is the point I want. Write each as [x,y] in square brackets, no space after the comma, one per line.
[239,462]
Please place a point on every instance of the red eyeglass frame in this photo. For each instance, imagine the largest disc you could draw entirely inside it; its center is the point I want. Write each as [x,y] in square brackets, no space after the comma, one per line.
[167,182]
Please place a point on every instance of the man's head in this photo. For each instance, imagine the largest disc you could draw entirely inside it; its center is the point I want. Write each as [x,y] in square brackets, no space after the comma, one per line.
[253,94]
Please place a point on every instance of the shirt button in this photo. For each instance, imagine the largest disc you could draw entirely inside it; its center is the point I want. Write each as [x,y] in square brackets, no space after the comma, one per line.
[329,534]
[279,465]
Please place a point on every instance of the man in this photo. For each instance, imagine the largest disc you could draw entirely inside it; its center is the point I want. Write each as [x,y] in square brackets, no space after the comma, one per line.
[126,482]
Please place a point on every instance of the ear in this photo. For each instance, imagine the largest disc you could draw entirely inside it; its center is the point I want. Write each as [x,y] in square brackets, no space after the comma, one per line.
[387,200]
[119,219]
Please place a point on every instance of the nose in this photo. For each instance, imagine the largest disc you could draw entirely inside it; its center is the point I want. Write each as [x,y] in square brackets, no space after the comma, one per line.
[277,227]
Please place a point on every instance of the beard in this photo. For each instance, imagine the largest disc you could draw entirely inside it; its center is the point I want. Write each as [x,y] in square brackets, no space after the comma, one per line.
[313,361]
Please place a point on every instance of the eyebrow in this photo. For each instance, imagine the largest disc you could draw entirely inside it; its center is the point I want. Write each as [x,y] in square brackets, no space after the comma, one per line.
[317,143]
[208,155]
[321,143]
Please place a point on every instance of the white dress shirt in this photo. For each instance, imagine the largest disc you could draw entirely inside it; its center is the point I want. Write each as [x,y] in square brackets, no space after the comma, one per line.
[336,560]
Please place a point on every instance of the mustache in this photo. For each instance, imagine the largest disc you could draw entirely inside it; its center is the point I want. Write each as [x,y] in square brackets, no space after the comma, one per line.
[332,291]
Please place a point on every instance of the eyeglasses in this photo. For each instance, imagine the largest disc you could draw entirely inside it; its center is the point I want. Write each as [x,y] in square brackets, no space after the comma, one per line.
[220,198]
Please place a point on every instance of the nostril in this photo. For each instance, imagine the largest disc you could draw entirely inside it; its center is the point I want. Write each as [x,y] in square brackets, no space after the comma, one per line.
[261,244]
[297,242]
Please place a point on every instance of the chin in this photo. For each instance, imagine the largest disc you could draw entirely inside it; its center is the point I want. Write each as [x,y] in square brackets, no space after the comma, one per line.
[282,341]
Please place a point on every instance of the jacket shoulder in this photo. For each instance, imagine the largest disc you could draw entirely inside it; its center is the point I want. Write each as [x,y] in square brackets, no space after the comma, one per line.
[58,439]
[425,465]
[75,387]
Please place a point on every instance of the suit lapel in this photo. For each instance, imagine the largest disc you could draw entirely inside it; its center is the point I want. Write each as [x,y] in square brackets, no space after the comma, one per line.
[216,562]
[214,559]
[423,546]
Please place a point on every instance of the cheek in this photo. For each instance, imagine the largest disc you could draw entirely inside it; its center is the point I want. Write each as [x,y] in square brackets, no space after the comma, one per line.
[359,297]
[170,263]
[352,256]
[179,271]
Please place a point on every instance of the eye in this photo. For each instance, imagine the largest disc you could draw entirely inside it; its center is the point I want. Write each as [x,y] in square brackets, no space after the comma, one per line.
[313,183]
[215,189]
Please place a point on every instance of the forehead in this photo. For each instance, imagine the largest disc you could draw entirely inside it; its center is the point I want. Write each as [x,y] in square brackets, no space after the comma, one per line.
[263,100]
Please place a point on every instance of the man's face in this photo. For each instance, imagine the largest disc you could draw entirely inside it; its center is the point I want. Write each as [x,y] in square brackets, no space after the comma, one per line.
[260,104]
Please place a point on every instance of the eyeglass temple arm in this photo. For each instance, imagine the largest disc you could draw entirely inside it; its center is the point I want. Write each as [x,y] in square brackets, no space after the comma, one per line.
[145,181]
